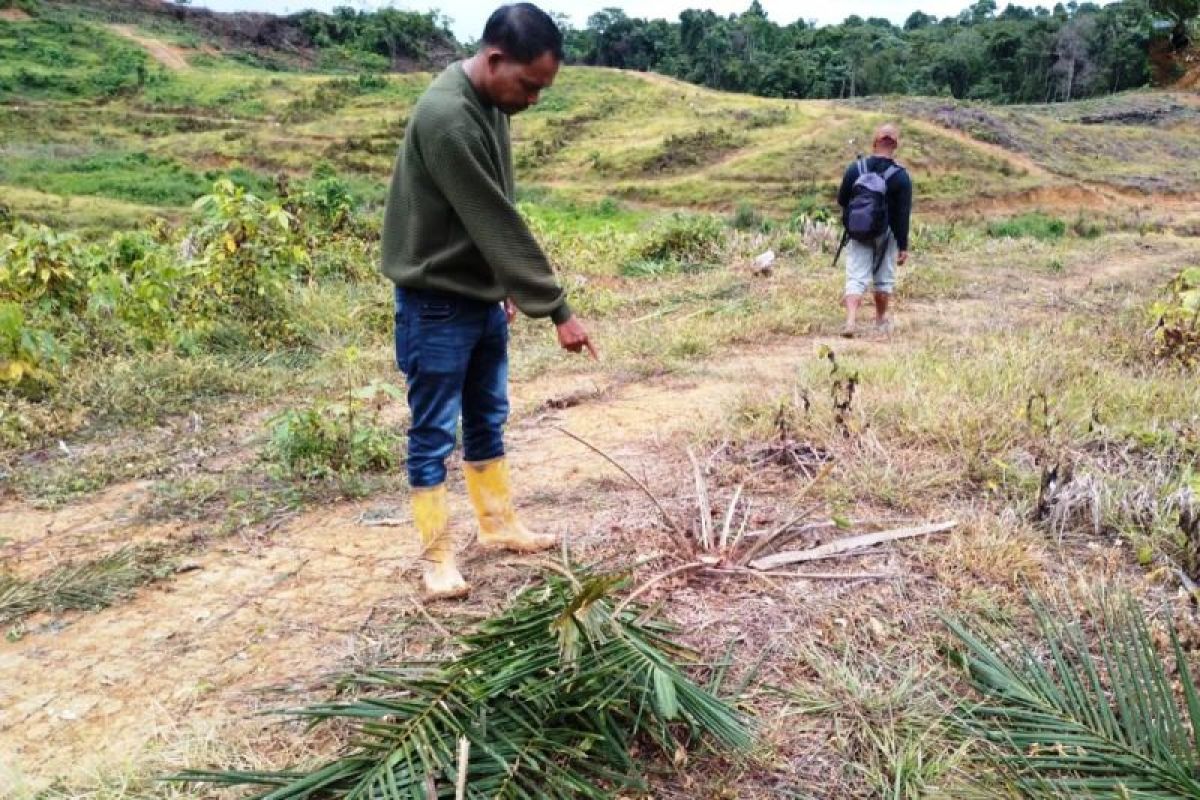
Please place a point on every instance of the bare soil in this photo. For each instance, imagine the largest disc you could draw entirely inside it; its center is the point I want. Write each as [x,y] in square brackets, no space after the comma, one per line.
[168,55]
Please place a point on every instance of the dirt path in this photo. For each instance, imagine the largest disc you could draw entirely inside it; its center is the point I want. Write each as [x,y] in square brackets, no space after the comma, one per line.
[261,616]
[168,55]
[14,15]
[1018,161]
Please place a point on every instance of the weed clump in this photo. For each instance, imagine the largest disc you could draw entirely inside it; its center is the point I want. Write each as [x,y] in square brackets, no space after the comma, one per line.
[1034,225]
[678,243]
[680,151]
[329,440]
[747,218]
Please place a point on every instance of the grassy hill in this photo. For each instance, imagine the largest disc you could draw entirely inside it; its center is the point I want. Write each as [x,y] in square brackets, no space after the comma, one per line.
[114,121]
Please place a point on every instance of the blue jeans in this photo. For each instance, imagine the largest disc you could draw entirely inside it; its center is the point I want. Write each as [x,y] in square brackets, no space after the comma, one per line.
[453,352]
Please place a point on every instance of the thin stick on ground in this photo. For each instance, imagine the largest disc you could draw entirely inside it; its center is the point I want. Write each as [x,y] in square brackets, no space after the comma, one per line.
[702,503]
[787,527]
[849,545]
[816,576]
[464,753]
[645,489]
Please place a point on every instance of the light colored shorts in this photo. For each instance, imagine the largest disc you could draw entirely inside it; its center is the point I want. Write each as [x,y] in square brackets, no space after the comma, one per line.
[860,264]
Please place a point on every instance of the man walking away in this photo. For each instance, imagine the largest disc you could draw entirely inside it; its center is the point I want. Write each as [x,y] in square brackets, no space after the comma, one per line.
[876,201]
[456,248]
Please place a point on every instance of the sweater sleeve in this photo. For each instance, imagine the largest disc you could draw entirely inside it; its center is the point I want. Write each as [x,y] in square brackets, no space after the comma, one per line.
[460,164]
[900,209]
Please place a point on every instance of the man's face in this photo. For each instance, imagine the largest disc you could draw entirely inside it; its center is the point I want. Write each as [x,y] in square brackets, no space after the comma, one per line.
[513,86]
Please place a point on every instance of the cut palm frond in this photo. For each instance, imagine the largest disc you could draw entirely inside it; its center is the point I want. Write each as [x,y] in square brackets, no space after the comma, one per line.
[1069,719]
[549,696]
[87,585]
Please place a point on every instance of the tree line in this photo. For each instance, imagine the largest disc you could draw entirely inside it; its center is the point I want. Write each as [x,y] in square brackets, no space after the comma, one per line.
[1014,55]
[1017,55]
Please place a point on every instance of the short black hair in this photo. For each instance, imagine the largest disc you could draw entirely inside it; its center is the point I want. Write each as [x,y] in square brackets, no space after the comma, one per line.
[524,32]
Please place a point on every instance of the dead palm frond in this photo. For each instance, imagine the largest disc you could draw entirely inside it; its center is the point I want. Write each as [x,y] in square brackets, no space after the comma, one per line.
[86,585]
[546,700]
[1073,719]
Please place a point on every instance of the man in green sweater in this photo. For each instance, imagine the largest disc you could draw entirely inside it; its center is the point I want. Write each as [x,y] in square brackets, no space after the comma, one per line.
[456,249]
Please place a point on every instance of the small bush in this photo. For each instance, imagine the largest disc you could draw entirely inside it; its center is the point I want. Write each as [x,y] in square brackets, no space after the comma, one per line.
[1086,229]
[29,357]
[688,241]
[746,218]
[42,267]
[248,251]
[764,118]
[331,440]
[1177,320]
[1028,226]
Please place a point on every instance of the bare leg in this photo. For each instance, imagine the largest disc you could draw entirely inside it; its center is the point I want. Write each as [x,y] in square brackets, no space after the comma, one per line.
[852,303]
[881,306]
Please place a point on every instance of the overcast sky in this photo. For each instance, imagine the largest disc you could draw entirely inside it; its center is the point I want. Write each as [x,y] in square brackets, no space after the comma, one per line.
[469,15]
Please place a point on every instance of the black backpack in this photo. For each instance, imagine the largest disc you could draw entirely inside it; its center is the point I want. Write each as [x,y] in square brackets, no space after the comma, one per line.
[866,216]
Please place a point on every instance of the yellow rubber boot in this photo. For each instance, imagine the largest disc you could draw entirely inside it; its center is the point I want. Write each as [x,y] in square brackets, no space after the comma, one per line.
[491,495]
[432,518]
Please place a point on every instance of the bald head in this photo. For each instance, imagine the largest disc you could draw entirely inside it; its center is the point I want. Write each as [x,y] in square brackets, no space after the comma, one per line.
[887,140]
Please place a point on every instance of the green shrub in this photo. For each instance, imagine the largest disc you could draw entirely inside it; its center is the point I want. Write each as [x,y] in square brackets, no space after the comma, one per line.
[329,440]
[683,150]
[746,218]
[248,252]
[41,267]
[1034,225]
[814,207]
[1177,320]
[329,199]
[29,357]
[686,240]
[1086,229]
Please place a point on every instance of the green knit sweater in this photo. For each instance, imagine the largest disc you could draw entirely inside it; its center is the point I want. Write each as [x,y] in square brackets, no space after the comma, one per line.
[450,223]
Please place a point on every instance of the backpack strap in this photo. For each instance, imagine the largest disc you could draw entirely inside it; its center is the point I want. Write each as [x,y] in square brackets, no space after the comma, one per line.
[862,167]
[890,171]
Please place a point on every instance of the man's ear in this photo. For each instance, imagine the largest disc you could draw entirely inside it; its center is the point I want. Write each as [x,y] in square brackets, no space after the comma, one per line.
[493,58]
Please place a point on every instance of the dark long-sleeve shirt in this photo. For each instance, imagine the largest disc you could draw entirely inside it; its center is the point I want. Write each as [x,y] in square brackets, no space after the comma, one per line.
[899,195]
[450,223]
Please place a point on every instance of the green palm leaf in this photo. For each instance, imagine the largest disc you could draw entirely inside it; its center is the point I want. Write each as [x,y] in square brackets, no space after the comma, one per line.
[1069,720]
[549,695]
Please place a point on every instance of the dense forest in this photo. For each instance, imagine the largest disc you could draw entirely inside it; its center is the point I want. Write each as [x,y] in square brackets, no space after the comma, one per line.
[1017,55]
[1014,55]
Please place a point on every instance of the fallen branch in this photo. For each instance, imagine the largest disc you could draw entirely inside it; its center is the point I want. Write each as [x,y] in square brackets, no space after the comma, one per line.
[816,576]
[848,545]
[787,530]
[645,489]
[464,755]
[702,502]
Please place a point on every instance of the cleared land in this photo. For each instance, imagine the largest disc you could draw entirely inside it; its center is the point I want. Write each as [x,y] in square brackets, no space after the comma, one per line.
[1021,353]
